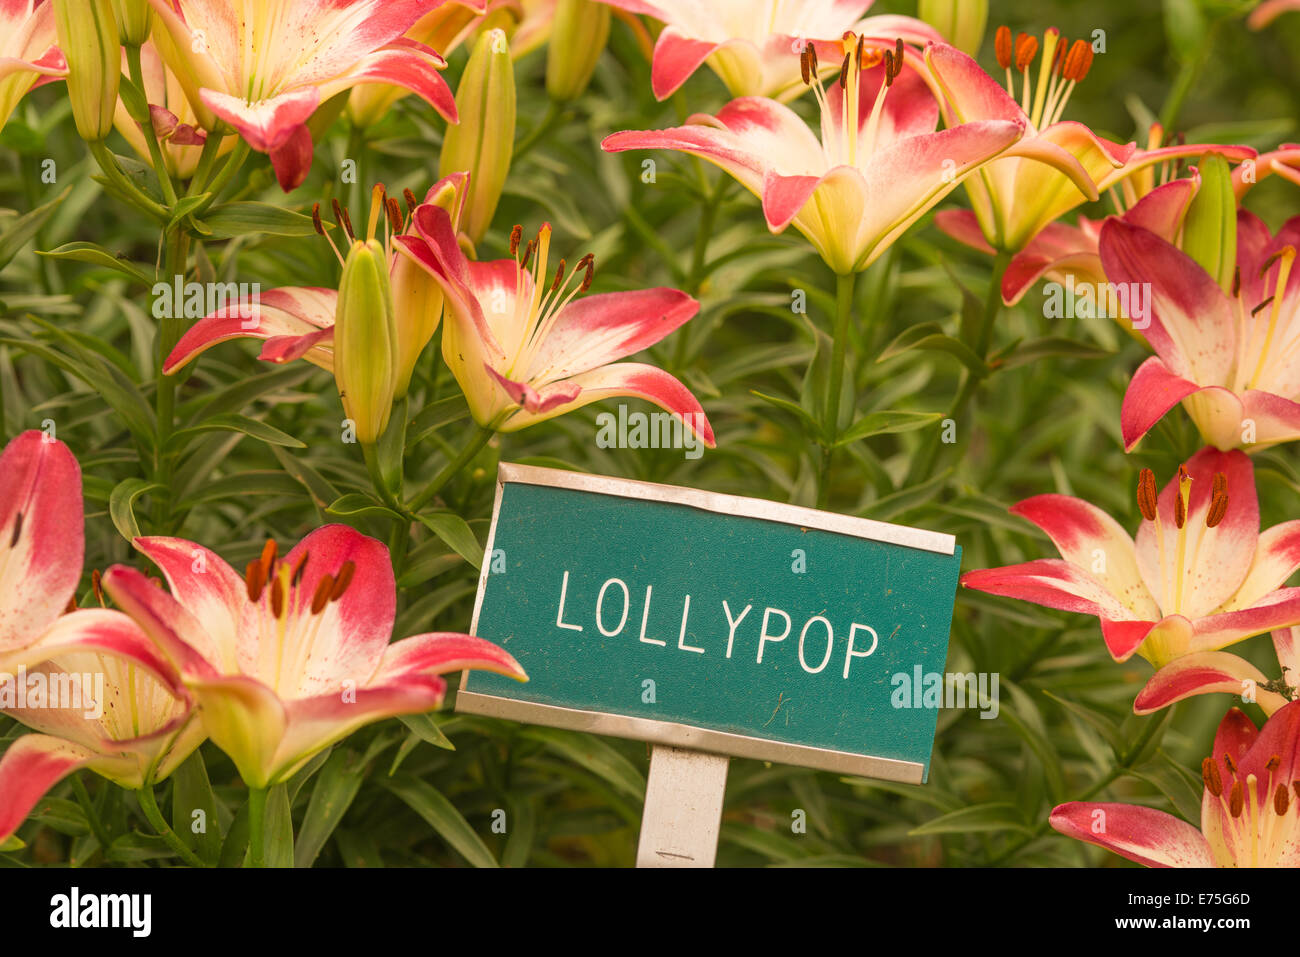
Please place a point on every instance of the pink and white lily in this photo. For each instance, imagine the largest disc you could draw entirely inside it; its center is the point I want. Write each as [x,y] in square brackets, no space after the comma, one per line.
[295,655]
[1200,575]
[264,66]
[120,713]
[1250,808]
[1220,672]
[1059,164]
[29,54]
[1228,358]
[525,348]
[878,166]
[753,46]
[297,322]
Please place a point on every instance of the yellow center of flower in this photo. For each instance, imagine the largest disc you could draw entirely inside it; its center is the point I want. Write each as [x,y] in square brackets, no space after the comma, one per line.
[285,634]
[1259,818]
[535,315]
[857,57]
[1270,351]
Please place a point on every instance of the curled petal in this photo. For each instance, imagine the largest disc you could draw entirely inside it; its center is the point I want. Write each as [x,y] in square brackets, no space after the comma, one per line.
[1140,834]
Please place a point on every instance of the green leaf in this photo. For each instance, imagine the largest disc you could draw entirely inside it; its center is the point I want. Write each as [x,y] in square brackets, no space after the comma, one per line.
[441,815]
[595,755]
[929,336]
[811,426]
[454,530]
[231,220]
[192,791]
[429,420]
[279,828]
[137,847]
[15,237]
[234,422]
[340,780]
[994,816]
[99,256]
[356,504]
[424,727]
[1052,347]
[186,205]
[12,843]
[881,423]
[133,98]
[121,505]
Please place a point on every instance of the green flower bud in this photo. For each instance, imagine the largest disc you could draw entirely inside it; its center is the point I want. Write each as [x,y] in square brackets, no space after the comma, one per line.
[1210,229]
[134,18]
[961,22]
[578,38]
[365,340]
[483,142]
[88,37]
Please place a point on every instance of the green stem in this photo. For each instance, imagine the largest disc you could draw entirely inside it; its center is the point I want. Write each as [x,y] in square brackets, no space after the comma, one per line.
[257,827]
[203,171]
[88,808]
[150,807]
[234,162]
[534,136]
[450,470]
[169,333]
[844,286]
[371,454]
[150,137]
[925,465]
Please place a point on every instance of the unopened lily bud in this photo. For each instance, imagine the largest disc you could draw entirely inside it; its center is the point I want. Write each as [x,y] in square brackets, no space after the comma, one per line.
[1210,229]
[88,37]
[961,22]
[578,38]
[417,297]
[482,143]
[133,21]
[365,340]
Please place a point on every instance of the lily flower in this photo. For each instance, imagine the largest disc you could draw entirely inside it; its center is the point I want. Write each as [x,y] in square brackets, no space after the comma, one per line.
[877,168]
[1199,577]
[122,714]
[29,52]
[294,655]
[1249,809]
[1210,672]
[1284,161]
[264,66]
[297,322]
[524,348]
[1059,164]
[750,45]
[1227,356]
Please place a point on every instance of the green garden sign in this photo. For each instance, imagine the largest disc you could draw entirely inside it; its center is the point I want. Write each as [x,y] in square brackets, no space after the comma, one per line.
[712,623]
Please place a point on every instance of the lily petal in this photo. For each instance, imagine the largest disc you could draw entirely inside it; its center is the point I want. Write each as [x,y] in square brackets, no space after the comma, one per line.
[1140,834]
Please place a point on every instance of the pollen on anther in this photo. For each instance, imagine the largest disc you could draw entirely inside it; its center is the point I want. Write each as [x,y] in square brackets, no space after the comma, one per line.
[1230,764]
[344,579]
[1281,800]
[411,203]
[321,597]
[277,598]
[255,579]
[1273,763]
[96,586]
[1002,46]
[1146,494]
[1026,50]
[1210,775]
[315,219]
[1236,800]
[1218,501]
